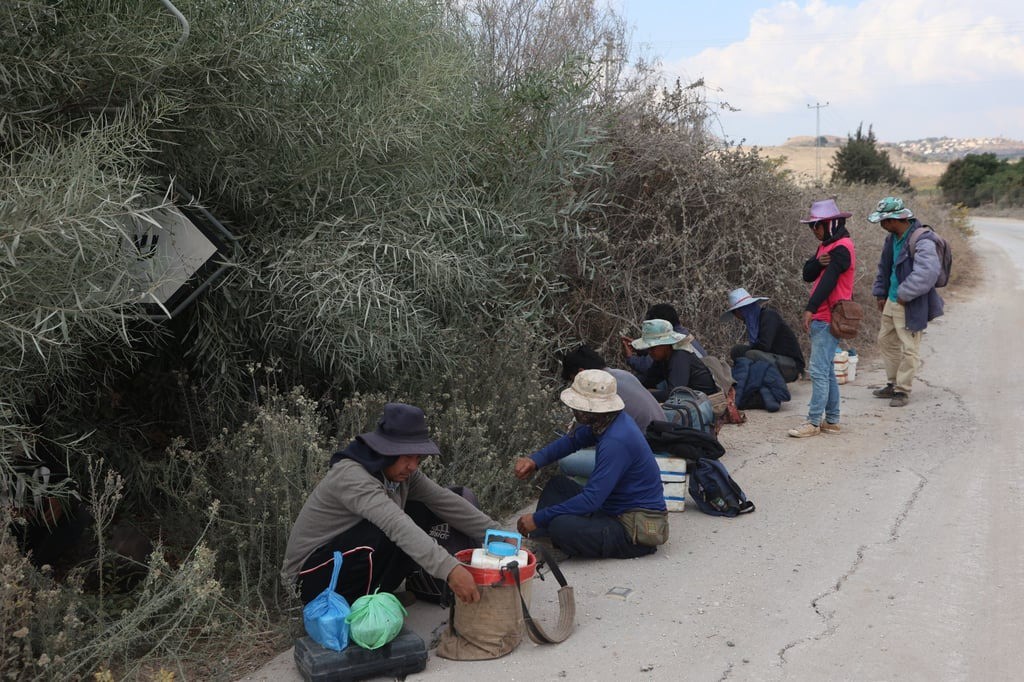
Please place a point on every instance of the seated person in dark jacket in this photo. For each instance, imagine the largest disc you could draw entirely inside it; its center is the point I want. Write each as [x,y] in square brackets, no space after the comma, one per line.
[640,361]
[672,366]
[769,338]
[583,521]
[368,498]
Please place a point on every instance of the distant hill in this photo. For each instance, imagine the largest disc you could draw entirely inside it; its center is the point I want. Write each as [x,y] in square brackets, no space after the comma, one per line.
[808,162]
[939,149]
[808,141]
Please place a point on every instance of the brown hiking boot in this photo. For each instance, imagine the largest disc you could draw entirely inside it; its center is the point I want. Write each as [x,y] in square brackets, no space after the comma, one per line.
[899,399]
[825,427]
[888,391]
[805,430]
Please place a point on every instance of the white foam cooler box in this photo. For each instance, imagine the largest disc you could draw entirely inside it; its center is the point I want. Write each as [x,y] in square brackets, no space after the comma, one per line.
[673,478]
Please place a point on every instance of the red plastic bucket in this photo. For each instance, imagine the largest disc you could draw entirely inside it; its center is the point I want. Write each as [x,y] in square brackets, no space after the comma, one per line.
[495,576]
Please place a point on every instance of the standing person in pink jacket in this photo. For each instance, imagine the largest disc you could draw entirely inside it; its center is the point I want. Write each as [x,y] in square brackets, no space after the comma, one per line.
[830,271]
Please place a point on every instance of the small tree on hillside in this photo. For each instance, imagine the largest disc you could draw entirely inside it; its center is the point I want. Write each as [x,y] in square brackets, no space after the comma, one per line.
[861,161]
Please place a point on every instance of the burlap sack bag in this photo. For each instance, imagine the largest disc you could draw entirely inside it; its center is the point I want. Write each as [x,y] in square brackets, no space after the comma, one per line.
[490,628]
[494,626]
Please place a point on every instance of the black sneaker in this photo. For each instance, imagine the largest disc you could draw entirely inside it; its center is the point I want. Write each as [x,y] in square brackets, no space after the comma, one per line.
[887,392]
[406,598]
[899,399]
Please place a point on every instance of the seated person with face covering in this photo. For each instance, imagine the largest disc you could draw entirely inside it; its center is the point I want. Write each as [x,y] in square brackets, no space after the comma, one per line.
[769,338]
[584,521]
[367,499]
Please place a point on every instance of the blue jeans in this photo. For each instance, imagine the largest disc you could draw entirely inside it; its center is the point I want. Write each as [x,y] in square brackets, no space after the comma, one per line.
[825,388]
[592,536]
[578,465]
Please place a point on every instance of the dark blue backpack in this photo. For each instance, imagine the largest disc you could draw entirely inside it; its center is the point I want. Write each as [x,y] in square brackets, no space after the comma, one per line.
[714,491]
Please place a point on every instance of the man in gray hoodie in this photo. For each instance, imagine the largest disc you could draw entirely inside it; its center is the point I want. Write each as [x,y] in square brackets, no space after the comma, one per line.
[360,508]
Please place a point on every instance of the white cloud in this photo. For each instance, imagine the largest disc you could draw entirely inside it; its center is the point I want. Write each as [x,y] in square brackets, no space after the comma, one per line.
[867,60]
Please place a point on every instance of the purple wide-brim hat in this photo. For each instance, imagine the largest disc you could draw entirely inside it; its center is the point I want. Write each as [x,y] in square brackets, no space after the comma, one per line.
[402,430]
[825,209]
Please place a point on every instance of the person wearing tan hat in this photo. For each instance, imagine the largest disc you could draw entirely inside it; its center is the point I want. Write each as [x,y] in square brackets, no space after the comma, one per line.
[830,272]
[769,338]
[673,365]
[585,521]
[364,501]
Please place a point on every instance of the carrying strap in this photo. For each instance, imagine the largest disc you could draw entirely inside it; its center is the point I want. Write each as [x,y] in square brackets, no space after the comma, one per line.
[335,571]
[566,604]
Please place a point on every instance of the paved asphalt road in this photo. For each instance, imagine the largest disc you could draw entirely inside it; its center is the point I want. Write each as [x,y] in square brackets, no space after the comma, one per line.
[894,551]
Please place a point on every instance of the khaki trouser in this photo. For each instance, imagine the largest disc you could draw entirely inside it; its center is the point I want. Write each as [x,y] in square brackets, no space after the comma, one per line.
[899,346]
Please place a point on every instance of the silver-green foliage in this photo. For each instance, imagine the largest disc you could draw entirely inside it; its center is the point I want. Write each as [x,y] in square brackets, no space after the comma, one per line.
[71,176]
[259,474]
[386,194]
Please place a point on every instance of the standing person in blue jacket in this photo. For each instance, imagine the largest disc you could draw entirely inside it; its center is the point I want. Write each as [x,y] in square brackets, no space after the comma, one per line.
[905,293]
[584,521]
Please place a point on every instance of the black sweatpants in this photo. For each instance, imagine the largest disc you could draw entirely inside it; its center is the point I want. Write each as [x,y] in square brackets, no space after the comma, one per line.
[390,564]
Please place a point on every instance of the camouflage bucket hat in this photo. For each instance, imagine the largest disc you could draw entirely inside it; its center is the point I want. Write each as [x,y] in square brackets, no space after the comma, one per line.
[890,208]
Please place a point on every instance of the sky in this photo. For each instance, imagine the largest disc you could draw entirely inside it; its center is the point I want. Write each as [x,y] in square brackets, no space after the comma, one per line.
[911,69]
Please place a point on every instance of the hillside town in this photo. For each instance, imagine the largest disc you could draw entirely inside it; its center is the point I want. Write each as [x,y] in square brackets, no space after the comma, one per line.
[951,148]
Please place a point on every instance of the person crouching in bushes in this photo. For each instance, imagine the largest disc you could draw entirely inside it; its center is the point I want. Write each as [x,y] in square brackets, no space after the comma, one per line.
[368,499]
[625,484]
[769,338]
[671,366]
[640,361]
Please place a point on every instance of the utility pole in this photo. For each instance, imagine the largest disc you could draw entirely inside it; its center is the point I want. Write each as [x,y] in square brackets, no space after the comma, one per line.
[609,47]
[818,106]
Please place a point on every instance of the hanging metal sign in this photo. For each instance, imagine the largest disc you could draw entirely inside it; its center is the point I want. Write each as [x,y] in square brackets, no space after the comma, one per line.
[181,250]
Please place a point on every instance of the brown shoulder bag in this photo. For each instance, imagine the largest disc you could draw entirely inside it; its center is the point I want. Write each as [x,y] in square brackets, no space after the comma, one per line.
[846,319]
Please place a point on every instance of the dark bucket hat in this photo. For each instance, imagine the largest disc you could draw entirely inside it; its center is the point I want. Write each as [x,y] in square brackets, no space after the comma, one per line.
[402,430]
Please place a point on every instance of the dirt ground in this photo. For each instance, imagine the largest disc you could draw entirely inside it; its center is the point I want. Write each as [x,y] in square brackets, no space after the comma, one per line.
[894,551]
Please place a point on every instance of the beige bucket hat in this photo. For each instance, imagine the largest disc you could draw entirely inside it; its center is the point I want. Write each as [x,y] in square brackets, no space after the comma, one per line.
[593,390]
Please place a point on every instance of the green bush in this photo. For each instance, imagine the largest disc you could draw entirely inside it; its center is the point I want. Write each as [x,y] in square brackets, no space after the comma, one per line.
[860,161]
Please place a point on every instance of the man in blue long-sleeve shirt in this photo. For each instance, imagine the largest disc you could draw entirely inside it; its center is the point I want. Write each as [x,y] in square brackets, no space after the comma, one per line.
[584,521]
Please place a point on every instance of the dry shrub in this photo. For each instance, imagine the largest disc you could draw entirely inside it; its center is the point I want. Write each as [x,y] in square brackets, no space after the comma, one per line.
[259,473]
[178,619]
[688,219]
[498,405]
